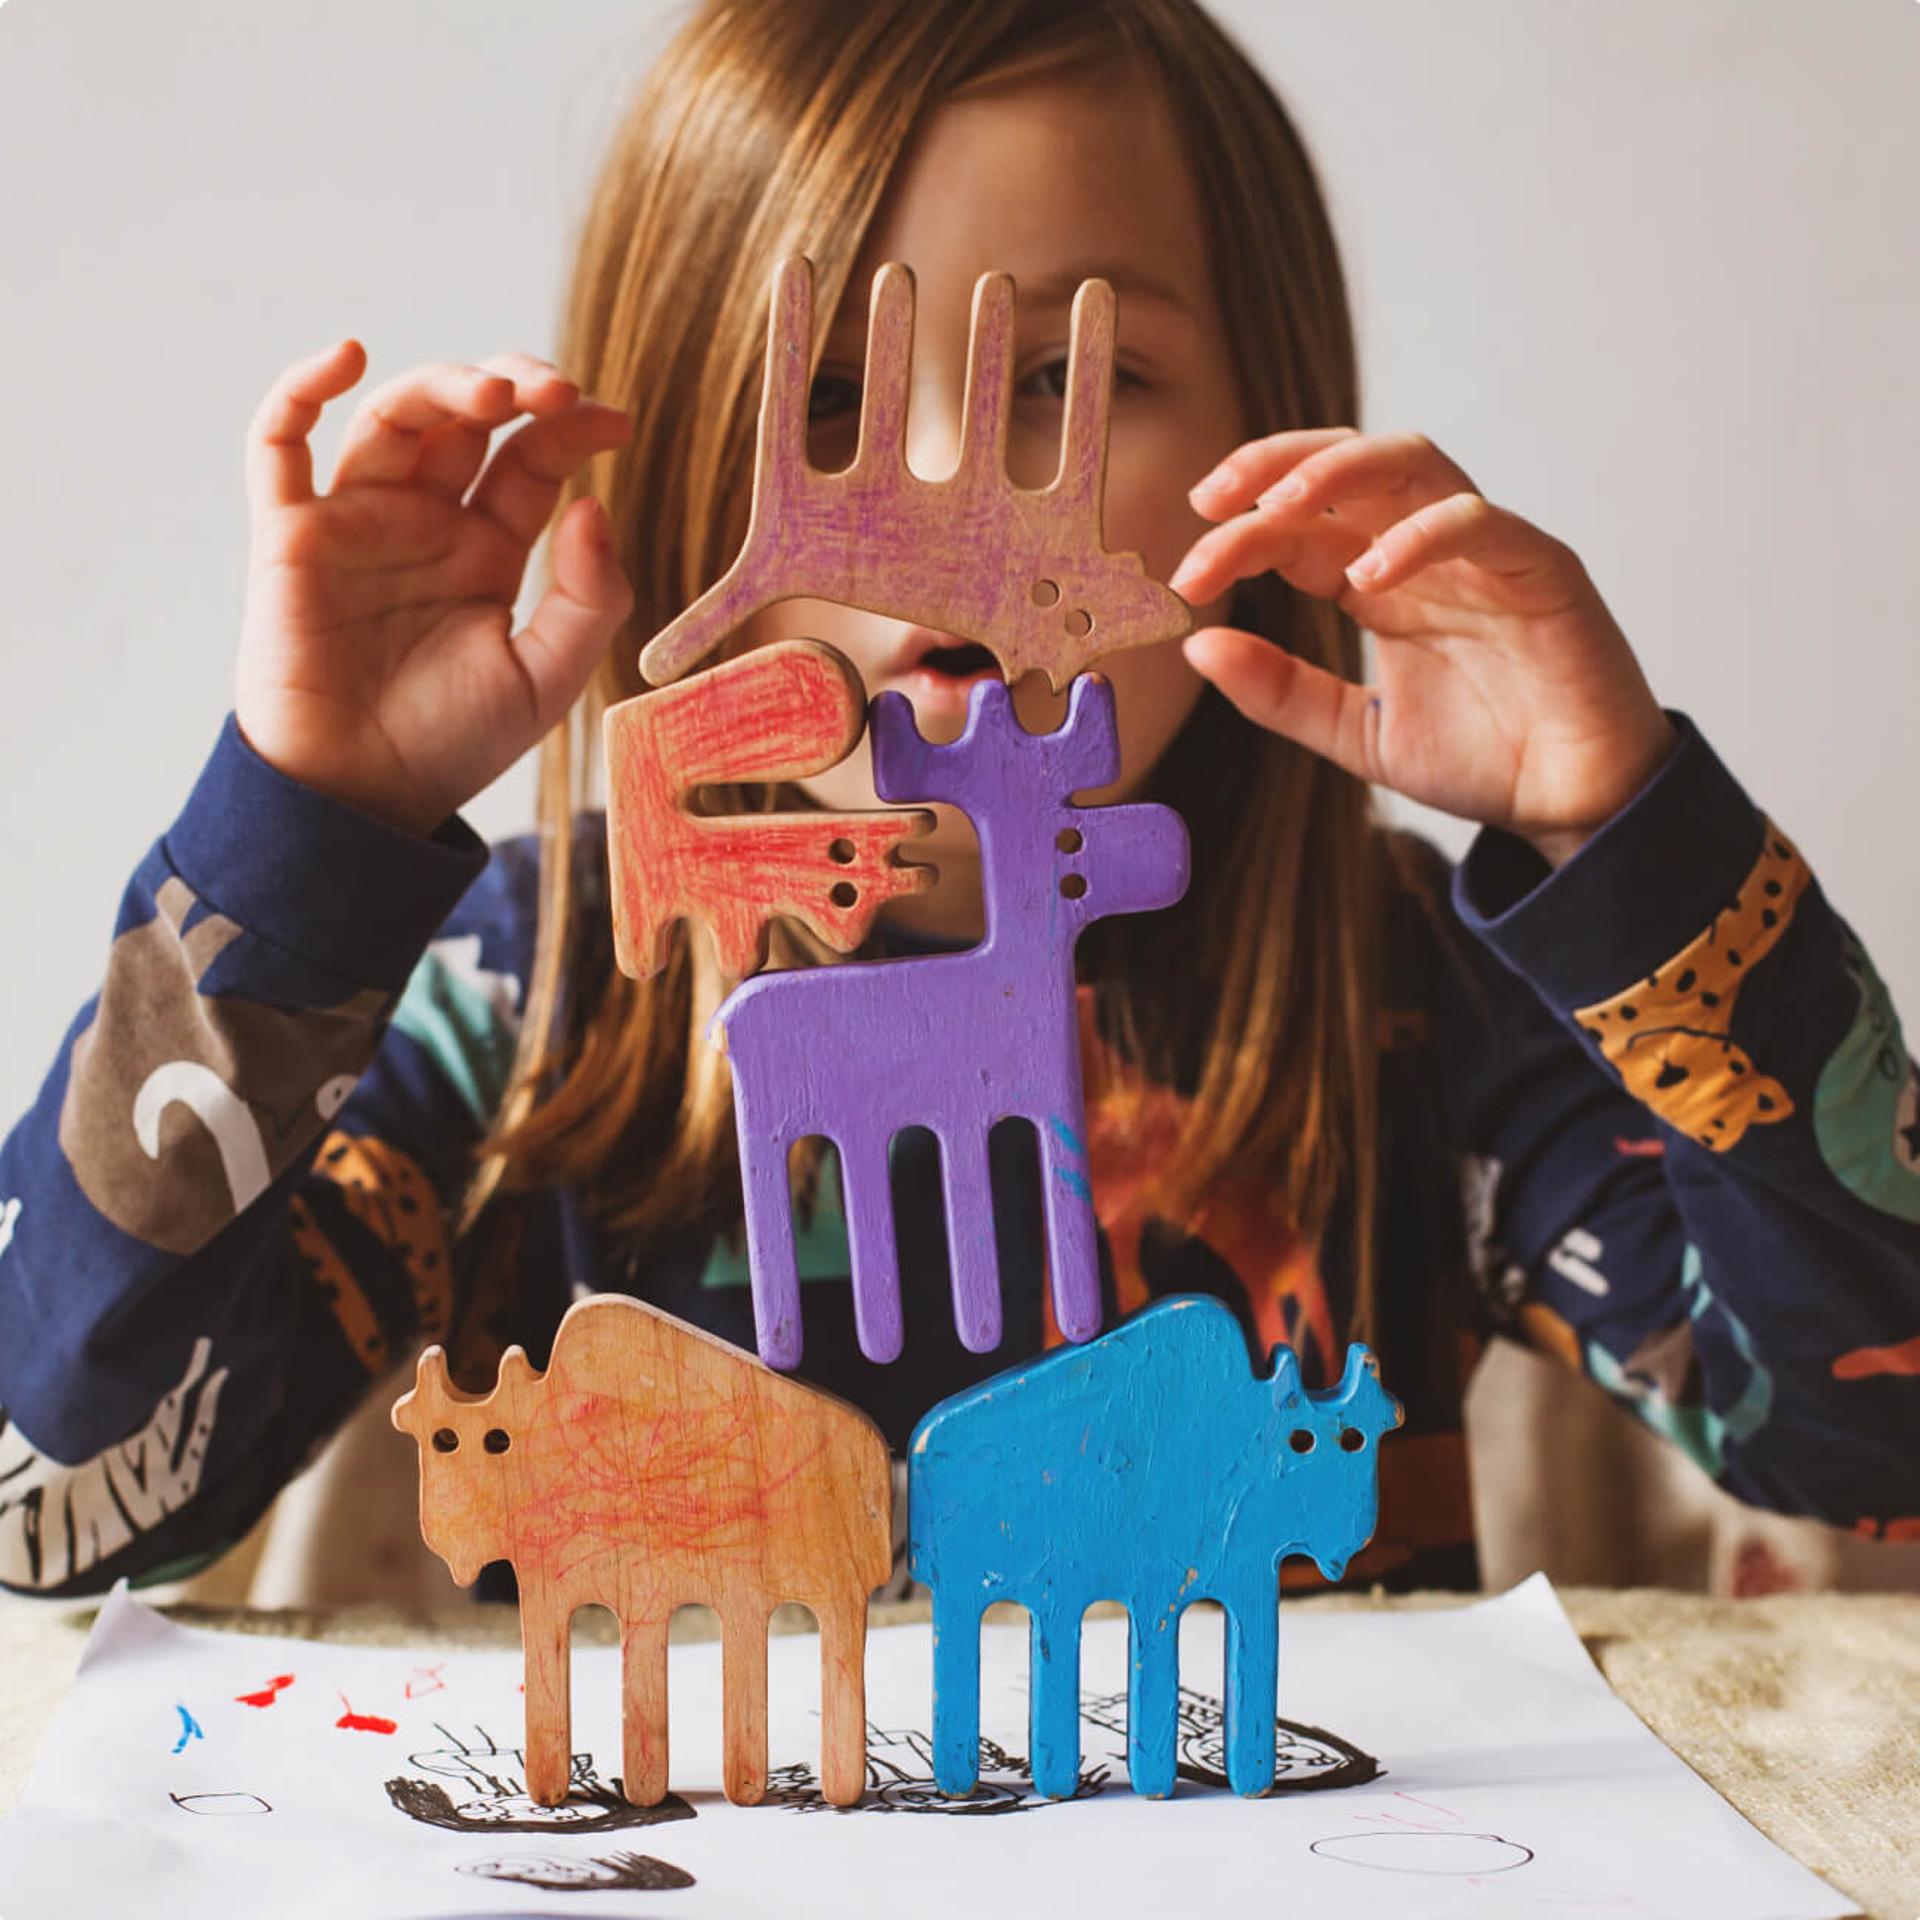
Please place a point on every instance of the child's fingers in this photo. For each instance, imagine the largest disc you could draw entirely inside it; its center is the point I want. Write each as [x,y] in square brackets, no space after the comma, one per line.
[528,468]
[1467,526]
[1312,557]
[1250,469]
[577,616]
[1405,470]
[381,445]
[279,463]
[450,455]
[1285,694]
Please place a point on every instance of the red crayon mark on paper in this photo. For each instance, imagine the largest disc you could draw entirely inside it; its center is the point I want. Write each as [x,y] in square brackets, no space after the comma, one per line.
[1650,1149]
[426,1680]
[364,1722]
[267,1694]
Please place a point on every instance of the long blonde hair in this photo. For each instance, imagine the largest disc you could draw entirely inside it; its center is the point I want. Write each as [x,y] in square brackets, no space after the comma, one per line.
[771,127]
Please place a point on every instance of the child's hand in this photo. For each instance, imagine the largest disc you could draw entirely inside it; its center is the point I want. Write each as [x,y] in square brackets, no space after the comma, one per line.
[1505,692]
[378,660]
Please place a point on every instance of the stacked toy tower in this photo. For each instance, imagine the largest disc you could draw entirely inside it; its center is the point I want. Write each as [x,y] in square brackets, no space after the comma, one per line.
[652,1464]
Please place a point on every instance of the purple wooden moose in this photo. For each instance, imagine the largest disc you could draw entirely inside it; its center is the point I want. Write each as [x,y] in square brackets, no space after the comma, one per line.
[953,1042]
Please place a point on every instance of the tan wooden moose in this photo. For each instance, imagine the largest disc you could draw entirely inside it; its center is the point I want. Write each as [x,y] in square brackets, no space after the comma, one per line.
[650,1466]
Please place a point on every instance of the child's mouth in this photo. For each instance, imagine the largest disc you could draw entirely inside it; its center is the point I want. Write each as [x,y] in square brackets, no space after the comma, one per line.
[960,662]
[938,674]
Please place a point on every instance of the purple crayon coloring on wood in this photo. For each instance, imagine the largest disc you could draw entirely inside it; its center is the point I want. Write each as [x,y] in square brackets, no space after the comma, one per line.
[952,1042]
[1021,571]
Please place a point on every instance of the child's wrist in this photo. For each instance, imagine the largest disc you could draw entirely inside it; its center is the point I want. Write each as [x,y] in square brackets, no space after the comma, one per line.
[1639,760]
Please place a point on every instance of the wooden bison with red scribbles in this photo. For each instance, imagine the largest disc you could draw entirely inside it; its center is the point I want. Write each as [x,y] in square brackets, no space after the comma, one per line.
[650,1466]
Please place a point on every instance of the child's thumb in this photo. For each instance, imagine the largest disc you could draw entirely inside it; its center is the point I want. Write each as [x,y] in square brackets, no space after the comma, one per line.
[579,614]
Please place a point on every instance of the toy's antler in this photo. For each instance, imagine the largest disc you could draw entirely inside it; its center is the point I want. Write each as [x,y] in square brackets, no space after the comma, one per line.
[1017,570]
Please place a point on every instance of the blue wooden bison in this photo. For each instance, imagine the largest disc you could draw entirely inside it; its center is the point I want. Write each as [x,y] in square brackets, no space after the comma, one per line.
[1153,1467]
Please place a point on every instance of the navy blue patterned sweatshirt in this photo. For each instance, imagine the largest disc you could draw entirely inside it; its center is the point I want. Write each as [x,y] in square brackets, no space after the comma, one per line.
[1650,1112]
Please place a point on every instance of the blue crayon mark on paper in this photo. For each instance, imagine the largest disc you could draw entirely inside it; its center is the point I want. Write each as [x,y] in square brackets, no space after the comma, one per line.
[189,1729]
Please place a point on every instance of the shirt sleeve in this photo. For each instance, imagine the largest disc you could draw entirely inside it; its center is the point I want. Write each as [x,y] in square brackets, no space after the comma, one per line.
[229,1205]
[1692,1149]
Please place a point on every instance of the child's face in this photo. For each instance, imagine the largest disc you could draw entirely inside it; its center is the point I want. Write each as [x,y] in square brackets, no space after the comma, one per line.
[1052,180]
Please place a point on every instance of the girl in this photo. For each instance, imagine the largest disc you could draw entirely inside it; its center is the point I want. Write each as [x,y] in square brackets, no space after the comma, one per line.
[1623,1086]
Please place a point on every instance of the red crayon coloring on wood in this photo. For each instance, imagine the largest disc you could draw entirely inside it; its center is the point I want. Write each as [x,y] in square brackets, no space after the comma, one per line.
[364,1722]
[267,1694]
[775,714]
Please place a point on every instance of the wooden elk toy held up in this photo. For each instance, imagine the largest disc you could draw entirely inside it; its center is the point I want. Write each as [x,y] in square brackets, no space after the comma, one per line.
[650,1466]
[1020,571]
[1151,1467]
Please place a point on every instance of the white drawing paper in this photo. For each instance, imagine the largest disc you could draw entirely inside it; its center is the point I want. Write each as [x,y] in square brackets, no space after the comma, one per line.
[1470,1761]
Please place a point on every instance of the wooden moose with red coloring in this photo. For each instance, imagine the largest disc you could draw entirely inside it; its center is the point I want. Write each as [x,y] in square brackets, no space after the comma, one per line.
[1020,571]
[653,1465]
[774,714]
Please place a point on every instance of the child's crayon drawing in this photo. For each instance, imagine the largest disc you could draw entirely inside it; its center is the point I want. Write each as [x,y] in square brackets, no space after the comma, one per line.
[268,1694]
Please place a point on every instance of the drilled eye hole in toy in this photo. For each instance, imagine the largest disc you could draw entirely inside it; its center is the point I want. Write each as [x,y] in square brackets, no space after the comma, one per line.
[841,853]
[445,1440]
[497,1440]
[1079,623]
[843,893]
[1351,1439]
[1046,593]
[1073,885]
[1068,840]
[1301,1439]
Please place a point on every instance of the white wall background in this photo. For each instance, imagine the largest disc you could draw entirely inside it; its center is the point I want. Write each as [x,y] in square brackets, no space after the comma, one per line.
[1646,268]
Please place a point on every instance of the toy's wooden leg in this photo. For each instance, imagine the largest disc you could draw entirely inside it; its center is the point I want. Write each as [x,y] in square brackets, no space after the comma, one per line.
[1053,1688]
[743,1687]
[843,1700]
[1253,1681]
[546,1633]
[956,1692]
[643,1720]
[971,1254]
[1153,1699]
[1072,1239]
[771,1264]
[876,1259]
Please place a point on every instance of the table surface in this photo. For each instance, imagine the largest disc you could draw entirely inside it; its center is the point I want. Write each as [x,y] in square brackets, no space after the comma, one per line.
[1803,1711]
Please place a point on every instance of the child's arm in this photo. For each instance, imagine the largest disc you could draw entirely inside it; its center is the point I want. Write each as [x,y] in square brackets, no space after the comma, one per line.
[192,1301]
[1721,1225]
[1730,1239]
[188,1303]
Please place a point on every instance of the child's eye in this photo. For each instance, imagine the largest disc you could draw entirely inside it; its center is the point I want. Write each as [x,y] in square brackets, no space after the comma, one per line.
[1049,381]
[833,396]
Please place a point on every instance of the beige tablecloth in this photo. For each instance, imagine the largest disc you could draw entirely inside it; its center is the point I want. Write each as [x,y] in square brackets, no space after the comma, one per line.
[1802,1710]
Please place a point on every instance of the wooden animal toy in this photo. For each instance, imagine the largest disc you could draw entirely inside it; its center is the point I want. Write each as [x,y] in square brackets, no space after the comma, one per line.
[774,714]
[1150,1466]
[651,1465]
[957,1041]
[1020,571]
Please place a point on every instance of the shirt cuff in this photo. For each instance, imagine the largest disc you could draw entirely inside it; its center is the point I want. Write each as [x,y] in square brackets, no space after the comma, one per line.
[1639,890]
[313,875]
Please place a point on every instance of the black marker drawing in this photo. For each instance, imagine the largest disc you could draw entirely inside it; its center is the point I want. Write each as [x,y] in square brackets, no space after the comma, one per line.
[900,1780]
[607,1873]
[1306,1759]
[219,1803]
[489,1794]
[1426,1850]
